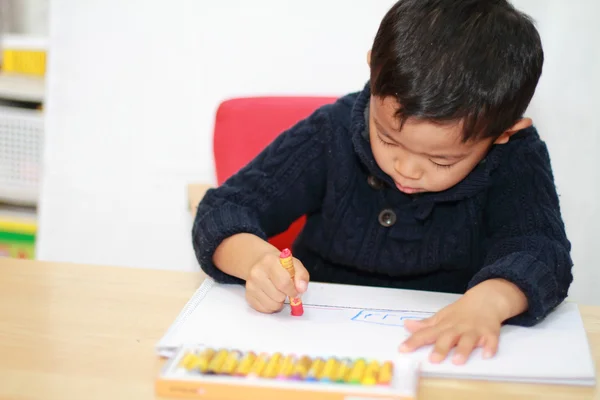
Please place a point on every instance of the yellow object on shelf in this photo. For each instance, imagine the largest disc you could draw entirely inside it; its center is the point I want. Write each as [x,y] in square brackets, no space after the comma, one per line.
[24,55]
[17,238]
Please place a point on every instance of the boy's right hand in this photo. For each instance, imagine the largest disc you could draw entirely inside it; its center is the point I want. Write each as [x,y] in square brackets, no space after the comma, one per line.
[268,283]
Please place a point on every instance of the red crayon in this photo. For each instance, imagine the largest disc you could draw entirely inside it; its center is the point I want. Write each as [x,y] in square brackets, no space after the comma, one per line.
[285,258]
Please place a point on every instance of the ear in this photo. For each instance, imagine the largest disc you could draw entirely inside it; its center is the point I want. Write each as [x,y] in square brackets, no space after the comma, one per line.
[521,124]
[369,57]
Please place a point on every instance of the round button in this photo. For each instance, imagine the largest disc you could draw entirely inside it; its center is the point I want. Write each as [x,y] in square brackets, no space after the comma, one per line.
[387,218]
[374,182]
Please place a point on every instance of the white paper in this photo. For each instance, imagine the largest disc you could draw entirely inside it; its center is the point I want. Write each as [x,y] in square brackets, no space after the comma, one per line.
[359,321]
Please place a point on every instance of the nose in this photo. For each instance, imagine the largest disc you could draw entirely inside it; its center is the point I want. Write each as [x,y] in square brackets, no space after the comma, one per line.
[407,167]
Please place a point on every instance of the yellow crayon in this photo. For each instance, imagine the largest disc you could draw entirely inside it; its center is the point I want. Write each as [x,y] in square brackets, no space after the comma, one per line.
[287,367]
[357,371]
[272,367]
[385,373]
[329,369]
[316,369]
[230,363]
[342,371]
[217,361]
[245,364]
[188,360]
[202,360]
[370,375]
[259,365]
[301,368]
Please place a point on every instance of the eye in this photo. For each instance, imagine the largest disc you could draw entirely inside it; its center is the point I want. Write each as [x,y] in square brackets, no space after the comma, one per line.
[384,142]
[442,165]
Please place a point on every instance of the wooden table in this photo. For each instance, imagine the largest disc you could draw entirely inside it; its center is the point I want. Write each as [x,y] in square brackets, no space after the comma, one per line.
[82,332]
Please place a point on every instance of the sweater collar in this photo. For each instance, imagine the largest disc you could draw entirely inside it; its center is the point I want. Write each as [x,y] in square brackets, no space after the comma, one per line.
[475,182]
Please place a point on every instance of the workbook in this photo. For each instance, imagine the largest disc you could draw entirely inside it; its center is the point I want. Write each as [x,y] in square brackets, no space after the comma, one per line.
[359,321]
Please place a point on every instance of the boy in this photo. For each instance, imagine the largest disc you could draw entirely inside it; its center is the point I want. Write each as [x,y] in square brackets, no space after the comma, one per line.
[429,178]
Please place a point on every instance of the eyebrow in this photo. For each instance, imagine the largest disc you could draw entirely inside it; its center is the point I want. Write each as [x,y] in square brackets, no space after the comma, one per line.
[437,156]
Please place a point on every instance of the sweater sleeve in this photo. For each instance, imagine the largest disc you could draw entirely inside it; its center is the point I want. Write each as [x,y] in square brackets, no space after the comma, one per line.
[527,243]
[285,181]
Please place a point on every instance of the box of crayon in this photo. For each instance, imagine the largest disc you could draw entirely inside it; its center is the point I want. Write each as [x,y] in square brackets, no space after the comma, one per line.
[200,372]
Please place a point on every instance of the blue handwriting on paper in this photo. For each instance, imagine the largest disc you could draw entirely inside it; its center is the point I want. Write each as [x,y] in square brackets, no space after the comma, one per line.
[392,318]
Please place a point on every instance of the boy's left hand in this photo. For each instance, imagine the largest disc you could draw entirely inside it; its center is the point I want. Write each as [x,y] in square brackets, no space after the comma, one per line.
[472,321]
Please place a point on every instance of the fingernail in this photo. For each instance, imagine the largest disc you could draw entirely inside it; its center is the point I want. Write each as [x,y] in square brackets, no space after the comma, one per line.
[302,285]
[458,359]
[487,354]
[404,347]
[435,358]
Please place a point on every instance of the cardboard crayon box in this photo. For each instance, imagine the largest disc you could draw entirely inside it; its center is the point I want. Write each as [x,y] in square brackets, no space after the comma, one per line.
[200,372]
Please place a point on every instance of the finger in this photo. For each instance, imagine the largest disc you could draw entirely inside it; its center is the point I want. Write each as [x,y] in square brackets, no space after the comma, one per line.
[464,348]
[444,343]
[490,346]
[254,302]
[265,285]
[269,288]
[281,279]
[422,338]
[259,300]
[415,325]
[263,303]
[302,277]
[261,279]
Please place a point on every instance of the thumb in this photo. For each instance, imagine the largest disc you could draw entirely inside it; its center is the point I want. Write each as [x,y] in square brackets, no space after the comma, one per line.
[301,277]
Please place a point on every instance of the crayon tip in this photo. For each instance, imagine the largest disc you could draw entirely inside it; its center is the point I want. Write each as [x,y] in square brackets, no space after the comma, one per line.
[285,253]
[297,311]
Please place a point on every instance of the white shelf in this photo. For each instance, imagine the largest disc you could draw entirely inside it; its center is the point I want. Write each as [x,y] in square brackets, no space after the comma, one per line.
[22,87]
[19,197]
[16,213]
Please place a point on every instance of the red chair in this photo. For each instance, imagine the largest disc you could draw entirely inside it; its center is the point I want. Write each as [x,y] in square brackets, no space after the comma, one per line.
[245,126]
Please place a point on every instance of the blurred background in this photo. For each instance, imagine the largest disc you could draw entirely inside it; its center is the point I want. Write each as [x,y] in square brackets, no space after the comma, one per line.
[107,110]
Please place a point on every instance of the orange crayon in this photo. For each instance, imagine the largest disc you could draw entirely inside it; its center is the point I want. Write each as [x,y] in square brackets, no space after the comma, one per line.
[385,373]
[285,258]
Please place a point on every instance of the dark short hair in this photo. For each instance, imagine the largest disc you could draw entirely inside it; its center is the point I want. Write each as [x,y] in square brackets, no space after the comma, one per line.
[476,61]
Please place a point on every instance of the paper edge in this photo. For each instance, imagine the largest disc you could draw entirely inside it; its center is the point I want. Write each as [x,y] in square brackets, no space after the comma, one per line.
[513,379]
[164,347]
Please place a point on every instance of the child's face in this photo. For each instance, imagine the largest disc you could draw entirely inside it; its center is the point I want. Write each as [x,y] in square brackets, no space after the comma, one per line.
[423,157]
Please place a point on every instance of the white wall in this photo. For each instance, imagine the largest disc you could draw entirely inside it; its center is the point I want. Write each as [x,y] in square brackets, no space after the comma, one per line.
[134,85]
[565,110]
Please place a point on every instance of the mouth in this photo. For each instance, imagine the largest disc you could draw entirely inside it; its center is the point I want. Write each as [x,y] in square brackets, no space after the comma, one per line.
[406,189]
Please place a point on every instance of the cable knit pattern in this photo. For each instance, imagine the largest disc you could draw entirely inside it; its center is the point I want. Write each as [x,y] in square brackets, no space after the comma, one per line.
[501,221]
